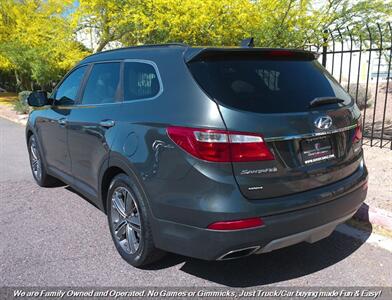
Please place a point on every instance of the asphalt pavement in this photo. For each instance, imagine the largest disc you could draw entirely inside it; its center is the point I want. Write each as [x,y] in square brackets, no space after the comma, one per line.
[54,237]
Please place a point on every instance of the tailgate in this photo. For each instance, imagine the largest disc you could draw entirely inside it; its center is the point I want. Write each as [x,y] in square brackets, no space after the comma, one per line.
[268,92]
[294,169]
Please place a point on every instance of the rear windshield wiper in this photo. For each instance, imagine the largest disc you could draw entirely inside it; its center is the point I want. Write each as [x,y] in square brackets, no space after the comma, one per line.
[324,100]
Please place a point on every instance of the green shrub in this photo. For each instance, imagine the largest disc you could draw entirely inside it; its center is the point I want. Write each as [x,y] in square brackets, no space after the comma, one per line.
[362,101]
[21,105]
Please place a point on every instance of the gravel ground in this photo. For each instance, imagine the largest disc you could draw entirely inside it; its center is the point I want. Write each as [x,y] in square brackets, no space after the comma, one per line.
[379,164]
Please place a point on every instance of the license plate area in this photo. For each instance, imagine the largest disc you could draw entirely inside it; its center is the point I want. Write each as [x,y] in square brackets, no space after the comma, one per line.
[316,150]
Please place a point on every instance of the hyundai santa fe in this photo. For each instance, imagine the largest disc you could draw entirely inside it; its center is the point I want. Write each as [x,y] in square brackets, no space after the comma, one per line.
[212,153]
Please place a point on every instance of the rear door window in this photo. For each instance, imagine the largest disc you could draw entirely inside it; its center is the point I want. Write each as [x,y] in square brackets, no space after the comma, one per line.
[277,85]
[103,84]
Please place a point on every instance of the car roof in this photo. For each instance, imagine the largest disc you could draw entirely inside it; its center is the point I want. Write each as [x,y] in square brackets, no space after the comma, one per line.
[130,52]
[189,53]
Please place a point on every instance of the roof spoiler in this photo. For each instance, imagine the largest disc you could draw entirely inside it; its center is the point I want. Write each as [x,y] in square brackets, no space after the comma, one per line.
[194,54]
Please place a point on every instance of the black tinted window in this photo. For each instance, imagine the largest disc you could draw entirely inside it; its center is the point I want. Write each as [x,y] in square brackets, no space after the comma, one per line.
[102,84]
[140,81]
[266,86]
[68,90]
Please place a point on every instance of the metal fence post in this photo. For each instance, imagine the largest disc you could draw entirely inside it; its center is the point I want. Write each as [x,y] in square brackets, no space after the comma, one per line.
[325,48]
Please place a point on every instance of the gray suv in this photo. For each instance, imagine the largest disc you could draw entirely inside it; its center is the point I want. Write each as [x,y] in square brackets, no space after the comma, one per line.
[213,153]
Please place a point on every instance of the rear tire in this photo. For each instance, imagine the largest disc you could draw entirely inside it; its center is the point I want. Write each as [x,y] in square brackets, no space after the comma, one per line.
[38,169]
[129,223]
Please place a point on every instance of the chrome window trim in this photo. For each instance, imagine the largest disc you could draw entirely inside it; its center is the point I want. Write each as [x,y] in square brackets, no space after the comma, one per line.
[149,62]
[307,135]
[154,65]
[87,105]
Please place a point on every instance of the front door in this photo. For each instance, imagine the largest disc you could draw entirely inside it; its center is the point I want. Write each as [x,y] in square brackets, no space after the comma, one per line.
[53,125]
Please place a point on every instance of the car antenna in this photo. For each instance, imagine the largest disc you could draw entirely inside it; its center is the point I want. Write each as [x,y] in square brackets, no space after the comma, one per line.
[248,43]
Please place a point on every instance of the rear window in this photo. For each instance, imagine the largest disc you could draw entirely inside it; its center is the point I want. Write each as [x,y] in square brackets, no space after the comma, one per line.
[274,85]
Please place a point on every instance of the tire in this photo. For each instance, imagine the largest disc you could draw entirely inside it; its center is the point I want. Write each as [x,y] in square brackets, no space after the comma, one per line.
[38,169]
[129,222]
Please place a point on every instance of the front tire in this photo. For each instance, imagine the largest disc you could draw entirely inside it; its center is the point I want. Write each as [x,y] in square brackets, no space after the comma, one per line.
[129,222]
[38,169]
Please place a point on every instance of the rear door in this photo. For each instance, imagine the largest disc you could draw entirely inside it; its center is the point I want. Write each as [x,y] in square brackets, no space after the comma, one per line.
[92,123]
[269,93]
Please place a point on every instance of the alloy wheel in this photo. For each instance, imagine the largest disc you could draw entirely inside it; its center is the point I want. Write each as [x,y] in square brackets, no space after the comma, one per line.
[35,160]
[125,220]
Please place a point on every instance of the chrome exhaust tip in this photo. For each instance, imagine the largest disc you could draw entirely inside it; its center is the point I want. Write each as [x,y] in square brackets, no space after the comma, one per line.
[238,253]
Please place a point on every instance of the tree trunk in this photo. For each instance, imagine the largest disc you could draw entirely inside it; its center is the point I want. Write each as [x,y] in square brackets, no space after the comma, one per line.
[100,46]
[18,81]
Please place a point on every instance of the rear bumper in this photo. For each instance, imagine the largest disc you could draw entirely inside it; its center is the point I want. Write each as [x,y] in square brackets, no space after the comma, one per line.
[281,230]
[311,236]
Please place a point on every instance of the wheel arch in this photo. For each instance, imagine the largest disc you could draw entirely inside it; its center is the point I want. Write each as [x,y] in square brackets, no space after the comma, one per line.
[29,133]
[107,177]
[117,165]
[30,130]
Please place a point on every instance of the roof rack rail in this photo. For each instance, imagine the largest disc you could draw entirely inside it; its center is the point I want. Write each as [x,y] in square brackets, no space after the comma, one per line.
[142,46]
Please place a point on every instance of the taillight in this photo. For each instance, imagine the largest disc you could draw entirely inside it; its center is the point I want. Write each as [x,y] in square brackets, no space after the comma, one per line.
[358,132]
[220,145]
[238,224]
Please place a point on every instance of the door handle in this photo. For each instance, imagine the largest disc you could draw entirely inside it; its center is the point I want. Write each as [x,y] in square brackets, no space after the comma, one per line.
[62,121]
[107,123]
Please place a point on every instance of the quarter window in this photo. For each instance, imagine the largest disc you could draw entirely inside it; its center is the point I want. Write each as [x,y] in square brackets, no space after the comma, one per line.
[140,81]
[67,91]
[103,84]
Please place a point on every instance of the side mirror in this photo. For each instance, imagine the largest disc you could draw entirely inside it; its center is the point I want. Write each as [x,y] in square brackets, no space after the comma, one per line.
[38,98]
